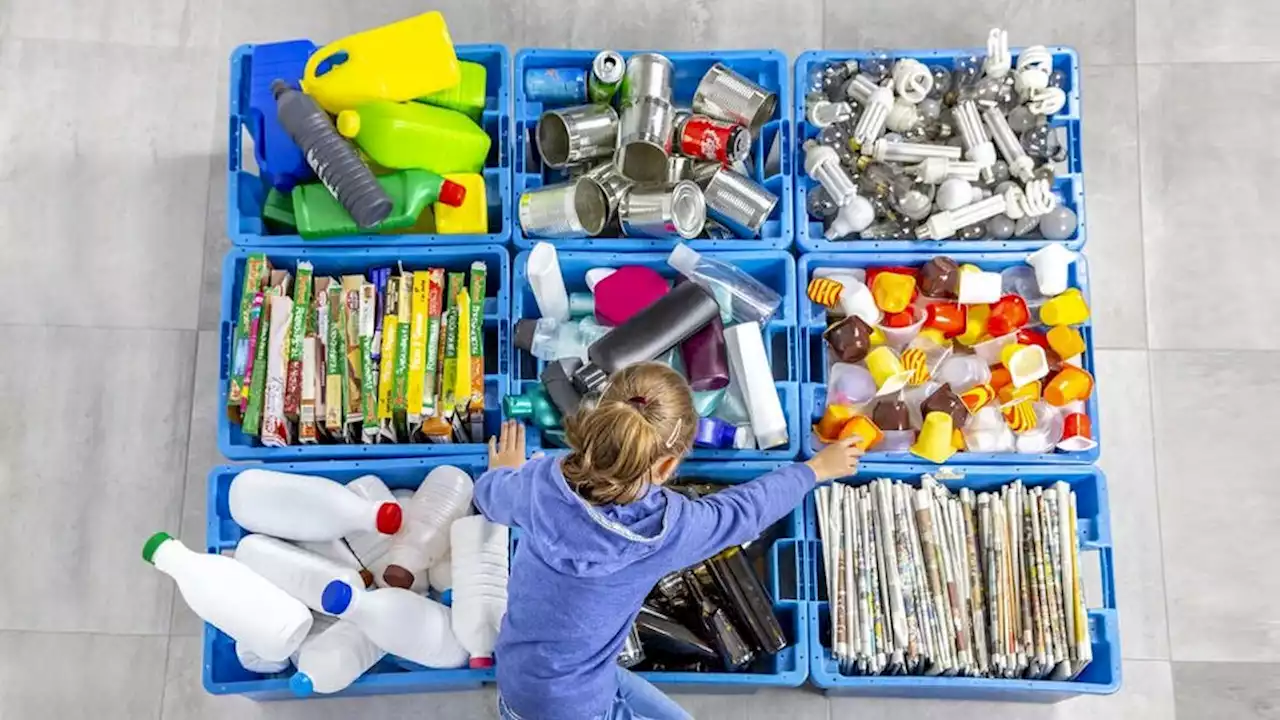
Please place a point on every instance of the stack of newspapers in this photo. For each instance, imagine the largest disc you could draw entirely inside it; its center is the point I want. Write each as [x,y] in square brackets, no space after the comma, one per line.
[925,581]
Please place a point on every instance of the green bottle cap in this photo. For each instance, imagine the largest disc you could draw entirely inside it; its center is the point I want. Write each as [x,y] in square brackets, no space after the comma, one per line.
[153,543]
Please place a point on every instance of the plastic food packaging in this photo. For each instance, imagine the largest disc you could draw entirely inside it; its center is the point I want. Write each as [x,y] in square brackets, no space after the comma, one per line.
[1066,341]
[750,300]
[899,336]
[934,443]
[893,291]
[228,595]
[1069,385]
[1008,314]
[404,60]
[849,339]
[887,370]
[1069,308]
[849,384]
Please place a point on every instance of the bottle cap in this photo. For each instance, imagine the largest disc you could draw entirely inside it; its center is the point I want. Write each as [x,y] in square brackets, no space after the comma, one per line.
[389,518]
[349,124]
[153,543]
[452,194]
[336,597]
[683,258]
[301,685]
[481,663]
[446,598]
[589,378]
[398,577]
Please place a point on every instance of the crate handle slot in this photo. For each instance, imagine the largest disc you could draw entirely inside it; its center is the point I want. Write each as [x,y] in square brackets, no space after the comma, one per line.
[224,356]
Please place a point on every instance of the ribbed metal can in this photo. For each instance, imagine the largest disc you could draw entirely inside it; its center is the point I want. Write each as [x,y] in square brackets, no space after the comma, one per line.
[726,95]
[737,202]
[577,208]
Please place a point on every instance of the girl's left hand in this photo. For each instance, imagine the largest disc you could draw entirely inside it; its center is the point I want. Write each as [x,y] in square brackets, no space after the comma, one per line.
[507,450]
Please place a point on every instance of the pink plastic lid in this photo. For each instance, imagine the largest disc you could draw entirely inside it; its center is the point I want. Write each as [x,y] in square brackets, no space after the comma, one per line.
[481,663]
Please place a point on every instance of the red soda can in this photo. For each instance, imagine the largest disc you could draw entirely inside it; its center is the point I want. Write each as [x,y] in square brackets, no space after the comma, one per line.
[702,137]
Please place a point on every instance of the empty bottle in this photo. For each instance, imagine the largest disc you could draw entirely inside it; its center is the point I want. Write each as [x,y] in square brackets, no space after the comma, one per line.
[534,405]
[304,507]
[251,661]
[330,661]
[317,214]
[481,560]
[750,363]
[301,573]
[440,577]
[444,496]
[332,158]
[733,649]
[547,282]
[468,96]
[704,358]
[672,319]
[747,599]
[233,598]
[750,300]
[416,136]
[339,552]
[399,621]
[369,547]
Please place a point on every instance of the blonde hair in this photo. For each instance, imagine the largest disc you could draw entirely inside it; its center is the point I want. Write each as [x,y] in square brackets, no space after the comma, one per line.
[645,414]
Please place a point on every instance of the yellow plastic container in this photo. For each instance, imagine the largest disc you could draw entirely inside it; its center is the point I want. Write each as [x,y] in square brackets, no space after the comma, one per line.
[408,59]
[472,217]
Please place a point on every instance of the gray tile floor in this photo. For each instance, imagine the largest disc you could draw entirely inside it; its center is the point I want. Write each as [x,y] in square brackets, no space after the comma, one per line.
[112,154]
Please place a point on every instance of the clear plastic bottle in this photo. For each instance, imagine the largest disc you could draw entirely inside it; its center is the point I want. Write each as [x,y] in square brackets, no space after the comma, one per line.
[444,496]
[749,299]
[333,659]
[481,559]
[399,621]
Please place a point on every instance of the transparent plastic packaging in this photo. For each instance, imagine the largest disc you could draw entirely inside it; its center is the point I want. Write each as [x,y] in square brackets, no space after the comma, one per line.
[749,300]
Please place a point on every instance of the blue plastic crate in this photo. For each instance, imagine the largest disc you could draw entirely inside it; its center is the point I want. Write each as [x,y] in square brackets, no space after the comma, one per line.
[1101,677]
[813,353]
[246,190]
[772,267]
[338,261]
[785,566]
[766,67]
[1069,186]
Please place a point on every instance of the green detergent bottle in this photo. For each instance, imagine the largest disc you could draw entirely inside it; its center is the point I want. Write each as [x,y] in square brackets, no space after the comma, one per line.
[468,96]
[319,215]
[416,136]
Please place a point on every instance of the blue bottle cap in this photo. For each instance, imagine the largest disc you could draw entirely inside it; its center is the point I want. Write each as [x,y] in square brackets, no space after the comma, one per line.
[301,685]
[336,597]
[446,598]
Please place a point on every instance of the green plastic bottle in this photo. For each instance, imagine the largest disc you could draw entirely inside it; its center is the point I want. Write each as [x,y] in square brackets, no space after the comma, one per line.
[468,96]
[319,215]
[416,136]
[277,211]
[534,405]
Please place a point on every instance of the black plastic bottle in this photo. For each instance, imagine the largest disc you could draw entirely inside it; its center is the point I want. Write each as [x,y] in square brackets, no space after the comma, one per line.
[747,599]
[671,320]
[332,158]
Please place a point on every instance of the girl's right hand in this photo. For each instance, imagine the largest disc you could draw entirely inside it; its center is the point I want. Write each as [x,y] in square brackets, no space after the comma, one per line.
[837,460]
[507,450]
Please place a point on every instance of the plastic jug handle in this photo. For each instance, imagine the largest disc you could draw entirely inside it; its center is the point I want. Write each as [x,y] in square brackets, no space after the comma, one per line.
[325,53]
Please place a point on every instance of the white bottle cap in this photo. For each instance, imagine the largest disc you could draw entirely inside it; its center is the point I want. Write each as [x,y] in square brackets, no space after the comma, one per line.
[684,259]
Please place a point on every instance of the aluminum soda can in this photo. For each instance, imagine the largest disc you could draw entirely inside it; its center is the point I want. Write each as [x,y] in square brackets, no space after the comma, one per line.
[569,136]
[574,209]
[709,139]
[607,70]
[725,95]
[737,202]
[656,212]
[556,86]
[648,75]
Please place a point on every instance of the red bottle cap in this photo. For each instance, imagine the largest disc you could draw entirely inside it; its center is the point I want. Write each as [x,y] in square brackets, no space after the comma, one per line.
[452,194]
[481,663]
[389,517]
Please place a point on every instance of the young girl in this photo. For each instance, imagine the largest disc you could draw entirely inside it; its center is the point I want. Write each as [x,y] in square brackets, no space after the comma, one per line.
[599,530]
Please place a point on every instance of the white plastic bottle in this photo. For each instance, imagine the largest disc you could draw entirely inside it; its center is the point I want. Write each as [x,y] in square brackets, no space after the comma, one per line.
[399,621]
[331,661]
[338,551]
[249,660]
[369,547]
[480,586]
[301,573]
[228,595]
[440,576]
[304,507]
[547,282]
[749,364]
[444,496]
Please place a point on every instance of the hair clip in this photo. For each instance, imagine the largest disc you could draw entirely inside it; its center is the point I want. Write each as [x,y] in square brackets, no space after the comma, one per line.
[638,400]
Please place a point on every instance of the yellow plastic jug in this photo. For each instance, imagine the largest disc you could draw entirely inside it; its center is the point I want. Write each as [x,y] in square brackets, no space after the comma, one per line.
[469,218]
[408,59]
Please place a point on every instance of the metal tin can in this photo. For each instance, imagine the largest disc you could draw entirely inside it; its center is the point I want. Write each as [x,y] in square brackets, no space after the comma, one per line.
[738,203]
[708,139]
[658,213]
[572,135]
[702,172]
[607,70]
[725,95]
[612,182]
[648,75]
[572,209]
[679,168]
[644,140]
[556,86]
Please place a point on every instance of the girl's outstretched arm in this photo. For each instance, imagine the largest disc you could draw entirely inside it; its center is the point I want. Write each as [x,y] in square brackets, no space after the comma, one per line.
[500,494]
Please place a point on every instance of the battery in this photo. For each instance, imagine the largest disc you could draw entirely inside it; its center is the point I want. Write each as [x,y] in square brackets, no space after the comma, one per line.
[708,139]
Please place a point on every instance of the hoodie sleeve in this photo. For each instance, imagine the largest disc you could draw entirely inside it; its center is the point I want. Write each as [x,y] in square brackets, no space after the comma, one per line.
[739,514]
[501,496]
